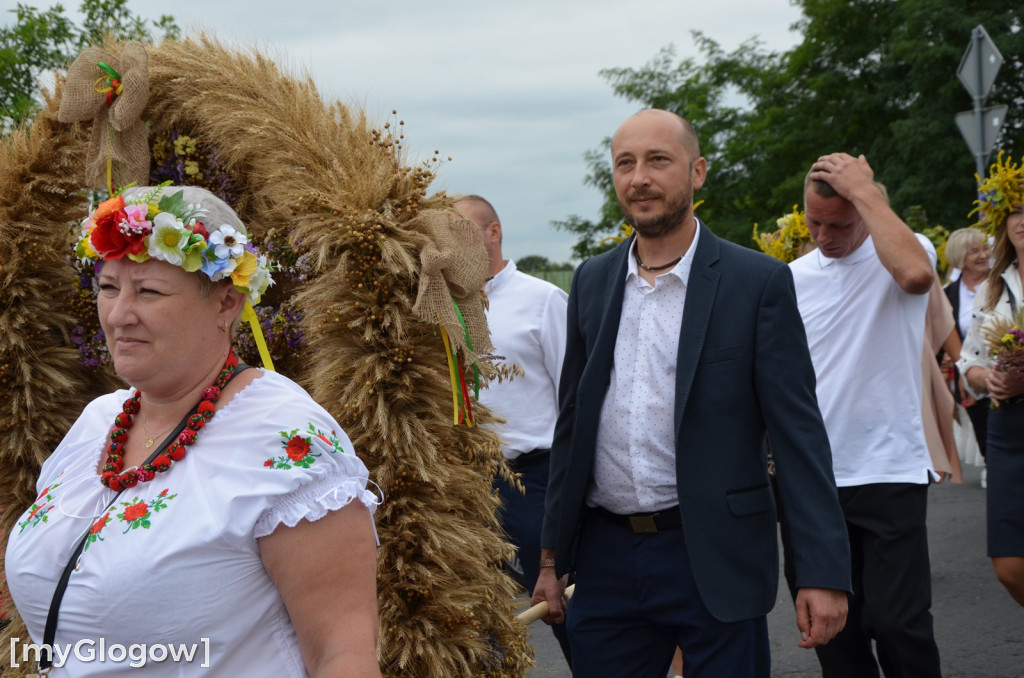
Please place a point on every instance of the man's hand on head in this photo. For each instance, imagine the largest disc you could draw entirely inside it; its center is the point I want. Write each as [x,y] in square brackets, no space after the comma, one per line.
[844,173]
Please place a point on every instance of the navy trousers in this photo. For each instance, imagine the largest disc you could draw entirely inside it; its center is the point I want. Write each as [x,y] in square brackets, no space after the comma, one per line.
[522,517]
[636,600]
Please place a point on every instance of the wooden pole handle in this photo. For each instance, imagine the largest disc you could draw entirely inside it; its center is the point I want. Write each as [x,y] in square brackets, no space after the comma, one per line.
[539,610]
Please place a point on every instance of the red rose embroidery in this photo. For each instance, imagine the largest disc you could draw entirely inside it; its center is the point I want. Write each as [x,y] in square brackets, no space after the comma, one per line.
[136,511]
[297,448]
[268,462]
[101,523]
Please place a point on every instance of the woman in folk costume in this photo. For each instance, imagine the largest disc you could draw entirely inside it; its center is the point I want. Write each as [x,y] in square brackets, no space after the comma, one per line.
[376,311]
[992,361]
[207,505]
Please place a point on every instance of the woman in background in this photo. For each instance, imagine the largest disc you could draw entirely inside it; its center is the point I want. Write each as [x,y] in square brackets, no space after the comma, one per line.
[997,303]
[967,249]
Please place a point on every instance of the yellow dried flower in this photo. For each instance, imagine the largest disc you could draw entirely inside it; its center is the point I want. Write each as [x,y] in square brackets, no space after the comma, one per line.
[998,193]
[788,241]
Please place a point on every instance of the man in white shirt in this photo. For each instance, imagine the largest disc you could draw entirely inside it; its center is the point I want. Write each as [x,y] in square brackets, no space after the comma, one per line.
[683,351]
[863,295]
[526,318]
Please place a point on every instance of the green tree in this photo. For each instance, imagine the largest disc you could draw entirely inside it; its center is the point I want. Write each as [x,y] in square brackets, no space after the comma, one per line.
[870,77]
[39,42]
[532,263]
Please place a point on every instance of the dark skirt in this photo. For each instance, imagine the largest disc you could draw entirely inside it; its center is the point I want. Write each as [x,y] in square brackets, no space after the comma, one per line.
[1005,494]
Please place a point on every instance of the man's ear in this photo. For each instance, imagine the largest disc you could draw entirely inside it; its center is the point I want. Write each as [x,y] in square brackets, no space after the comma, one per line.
[699,172]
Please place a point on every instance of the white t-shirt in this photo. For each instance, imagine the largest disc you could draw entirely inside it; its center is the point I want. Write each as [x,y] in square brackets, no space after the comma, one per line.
[176,560]
[526,316]
[865,335]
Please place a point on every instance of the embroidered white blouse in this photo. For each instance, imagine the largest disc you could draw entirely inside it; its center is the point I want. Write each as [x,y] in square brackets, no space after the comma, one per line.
[174,563]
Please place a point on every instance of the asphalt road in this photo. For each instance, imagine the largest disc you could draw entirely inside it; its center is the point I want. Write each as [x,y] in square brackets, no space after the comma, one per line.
[980,630]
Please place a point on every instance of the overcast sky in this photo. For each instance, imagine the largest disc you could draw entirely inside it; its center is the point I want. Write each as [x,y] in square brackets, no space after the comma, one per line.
[509,90]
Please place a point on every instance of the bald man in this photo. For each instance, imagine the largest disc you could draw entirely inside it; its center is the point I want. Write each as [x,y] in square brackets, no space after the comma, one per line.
[683,352]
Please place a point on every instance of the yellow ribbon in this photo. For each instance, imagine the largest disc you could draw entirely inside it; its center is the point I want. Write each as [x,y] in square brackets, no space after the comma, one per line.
[248,313]
[106,85]
[451,375]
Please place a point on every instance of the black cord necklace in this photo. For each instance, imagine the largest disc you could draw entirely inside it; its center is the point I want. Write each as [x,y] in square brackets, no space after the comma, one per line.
[636,255]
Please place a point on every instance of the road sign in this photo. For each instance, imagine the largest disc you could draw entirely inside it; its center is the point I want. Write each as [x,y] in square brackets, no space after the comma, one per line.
[981,138]
[980,64]
[977,72]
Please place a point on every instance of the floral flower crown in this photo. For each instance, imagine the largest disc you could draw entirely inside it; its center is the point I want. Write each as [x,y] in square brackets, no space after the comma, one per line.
[151,225]
[785,243]
[998,193]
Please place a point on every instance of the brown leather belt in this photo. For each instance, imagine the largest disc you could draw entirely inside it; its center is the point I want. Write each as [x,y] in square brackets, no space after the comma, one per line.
[643,523]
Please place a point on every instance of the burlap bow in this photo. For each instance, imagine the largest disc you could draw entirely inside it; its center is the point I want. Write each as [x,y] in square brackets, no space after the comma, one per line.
[453,266]
[118,148]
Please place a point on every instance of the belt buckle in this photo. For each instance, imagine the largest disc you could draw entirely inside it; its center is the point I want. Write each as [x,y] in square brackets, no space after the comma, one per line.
[643,524]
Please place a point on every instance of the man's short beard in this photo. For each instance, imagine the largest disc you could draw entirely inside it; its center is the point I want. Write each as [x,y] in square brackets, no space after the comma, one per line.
[663,224]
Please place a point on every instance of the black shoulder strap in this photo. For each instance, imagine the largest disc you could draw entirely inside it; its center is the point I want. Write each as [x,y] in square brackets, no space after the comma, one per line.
[50,631]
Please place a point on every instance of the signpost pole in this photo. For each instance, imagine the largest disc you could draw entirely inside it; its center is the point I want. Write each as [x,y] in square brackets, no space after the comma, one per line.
[978,36]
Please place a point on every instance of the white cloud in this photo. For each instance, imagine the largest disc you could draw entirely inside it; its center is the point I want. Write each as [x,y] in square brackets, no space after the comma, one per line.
[510,90]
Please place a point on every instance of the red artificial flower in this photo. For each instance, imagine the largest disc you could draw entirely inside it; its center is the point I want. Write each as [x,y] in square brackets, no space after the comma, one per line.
[161,462]
[199,229]
[111,242]
[206,406]
[101,523]
[136,511]
[297,448]
[187,437]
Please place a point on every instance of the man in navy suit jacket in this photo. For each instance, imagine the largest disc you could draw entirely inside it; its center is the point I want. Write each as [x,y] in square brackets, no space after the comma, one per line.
[684,354]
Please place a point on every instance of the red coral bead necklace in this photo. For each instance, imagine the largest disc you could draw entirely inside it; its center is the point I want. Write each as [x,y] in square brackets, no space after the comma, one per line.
[117,479]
